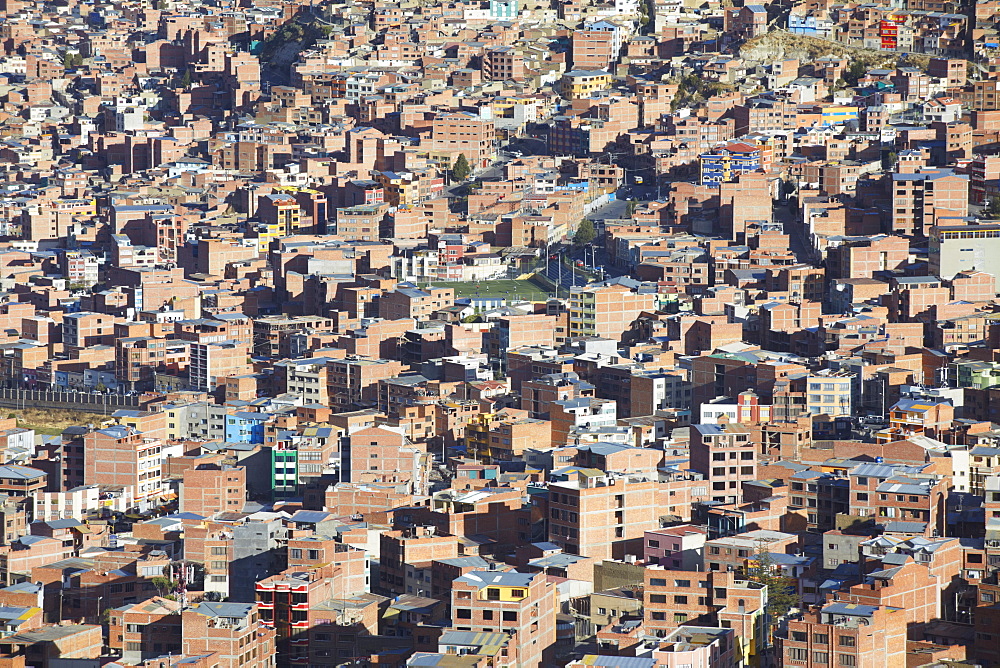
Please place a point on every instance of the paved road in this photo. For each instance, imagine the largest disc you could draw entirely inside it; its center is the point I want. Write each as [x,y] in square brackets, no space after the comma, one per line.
[796,232]
[494,171]
[613,209]
[528,146]
[563,275]
[638,194]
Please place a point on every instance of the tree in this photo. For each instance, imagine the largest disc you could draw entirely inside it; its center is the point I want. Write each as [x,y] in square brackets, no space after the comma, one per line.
[461,169]
[585,233]
[781,590]
[643,14]
[854,72]
[164,585]
[993,208]
[186,80]
[889,160]
[630,208]
[71,61]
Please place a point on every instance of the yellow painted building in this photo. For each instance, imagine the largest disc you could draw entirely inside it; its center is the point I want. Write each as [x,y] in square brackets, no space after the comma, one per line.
[579,84]
[265,233]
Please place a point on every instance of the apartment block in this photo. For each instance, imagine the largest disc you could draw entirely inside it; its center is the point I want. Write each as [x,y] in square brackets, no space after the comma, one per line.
[123,456]
[209,489]
[606,310]
[726,455]
[846,634]
[522,605]
[602,515]
[212,363]
[923,197]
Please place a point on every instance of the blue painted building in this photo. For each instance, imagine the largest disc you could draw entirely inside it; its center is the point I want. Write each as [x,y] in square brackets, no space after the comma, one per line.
[503,9]
[246,427]
[725,164]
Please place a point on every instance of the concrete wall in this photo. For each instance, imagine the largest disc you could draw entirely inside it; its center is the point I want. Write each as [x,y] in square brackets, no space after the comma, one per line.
[94,403]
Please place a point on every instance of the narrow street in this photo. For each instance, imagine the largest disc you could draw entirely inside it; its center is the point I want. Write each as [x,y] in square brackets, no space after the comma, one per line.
[795,230]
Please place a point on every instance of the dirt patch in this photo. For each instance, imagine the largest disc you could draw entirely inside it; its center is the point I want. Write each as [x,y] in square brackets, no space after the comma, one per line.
[780,45]
[53,422]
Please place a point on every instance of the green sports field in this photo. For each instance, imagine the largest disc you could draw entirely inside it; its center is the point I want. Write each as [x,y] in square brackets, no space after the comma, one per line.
[530,289]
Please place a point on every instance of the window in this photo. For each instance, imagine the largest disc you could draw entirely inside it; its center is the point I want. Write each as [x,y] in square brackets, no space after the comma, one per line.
[680,600]
[848,660]
[847,641]
[682,583]
[657,582]
[487,614]
[509,616]
[493,594]
[661,598]
[800,636]
[820,657]
[798,654]
[821,639]
[463,613]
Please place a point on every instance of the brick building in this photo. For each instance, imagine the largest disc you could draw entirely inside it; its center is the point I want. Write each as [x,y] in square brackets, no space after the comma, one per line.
[520,604]
[726,455]
[601,514]
[846,634]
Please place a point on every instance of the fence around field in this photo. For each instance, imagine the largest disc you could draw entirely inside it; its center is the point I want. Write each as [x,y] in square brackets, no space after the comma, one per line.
[56,400]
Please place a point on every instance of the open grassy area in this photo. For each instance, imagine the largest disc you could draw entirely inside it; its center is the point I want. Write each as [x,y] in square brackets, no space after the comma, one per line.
[52,422]
[529,289]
